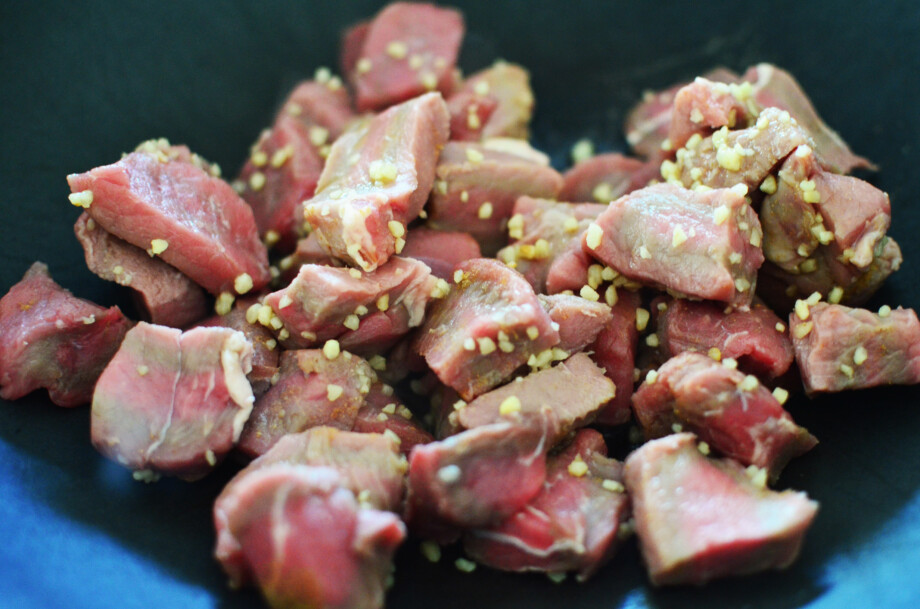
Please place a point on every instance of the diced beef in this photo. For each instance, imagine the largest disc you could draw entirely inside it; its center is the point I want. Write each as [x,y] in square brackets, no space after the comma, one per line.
[376,179]
[579,320]
[703,106]
[545,399]
[839,348]
[383,411]
[312,390]
[605,178]
[323,104]
[756,338]
[176,210]
[351,45]
[51,339]
[775,87]
[407,50]
[504,89]
[699,519]
[445,406]
[477,186]
[369,310]
[442,251]
[307,541]
[474,479]
[615,351]
[489,325]
[698,244]
[733,413]
[173,402]
[308,251]
[572,525]
[164,295]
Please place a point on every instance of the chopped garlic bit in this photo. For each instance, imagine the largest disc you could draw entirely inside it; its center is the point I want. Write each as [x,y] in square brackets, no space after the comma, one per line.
[602,193]
[860,355]
[82,199]
[474,156]
[644,253]
[157,246]
[397,49]
[469,344]
[242,283]
[382,172]
[467,566]
[485,211]
[715,354]
[642,317]
[578,467]
[613,486]
[803,329]
[486,345]
[430,550]
[257,181]
[397,229]
[652,340]
[781,395]
[589,293]
[835,295]
[730,363]
[593,236]
[449,474]
[352,322]
[334,392]
[363,65]
[884,311]
[509,405]
[331,349]
[678,236]
[441,289]
[801,310]
[768,186]
[749,383]
[652,377]
[224,303]
[703,447]
[582,150]
[143,370]
[516,226]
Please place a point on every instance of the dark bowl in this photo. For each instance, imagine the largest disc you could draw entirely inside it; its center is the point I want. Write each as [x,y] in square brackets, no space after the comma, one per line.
[82,82]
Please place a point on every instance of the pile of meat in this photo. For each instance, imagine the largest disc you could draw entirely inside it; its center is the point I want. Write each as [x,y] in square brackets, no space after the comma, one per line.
[421,326]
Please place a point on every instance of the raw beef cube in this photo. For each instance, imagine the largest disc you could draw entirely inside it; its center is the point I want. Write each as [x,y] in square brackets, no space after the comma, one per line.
[164,295]
[545,400]
[615,351]
[308,251]
[605,178]
[312,390]
[703,106]
[733,413]
[757,338]
[175,209]
[699,519]
[469,111]
[445,409]
[839,348]
[51,339]
[408,49]
[383,411]
[442,251]
[358,308]
[351,45]
[474,479]
[505,86]
[307,541]
[698,244]
[477,186]
[264,353]
[173,402]
[489,325]
[572,525]
[579,320]
[319,103]
[376,179]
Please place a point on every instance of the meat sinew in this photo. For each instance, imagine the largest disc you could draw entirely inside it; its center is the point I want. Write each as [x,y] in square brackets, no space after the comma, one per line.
[699,519]
[376,179]
[51,339]
[173,402]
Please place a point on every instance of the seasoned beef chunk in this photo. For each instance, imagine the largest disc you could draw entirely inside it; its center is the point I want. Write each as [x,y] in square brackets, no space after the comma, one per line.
[442,251]
[477,186]
[313,389]
[474,479]
[51,339]
[382,412]
[733,413]
[756,338]
[322,103]
[605,178]
[499,97]
[157,199]
[615,351]
[579,320]
[545,399]
[376,179]
[699,519]
[703,106]
[572,525]
[697,244]
[489,325]
[363,310]
[165,296]
[839,348]
[307,541]
[407,50]
[173,402]
[351,45]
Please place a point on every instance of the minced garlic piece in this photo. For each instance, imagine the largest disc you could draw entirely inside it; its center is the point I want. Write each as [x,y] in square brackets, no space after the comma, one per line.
[397,49]
[473,155]
[835,295]
[429,80]
[652,340]
[715,354]
[884,311]
[382,172]
[703,447]
[224,303]
[486,345]
[742,284]
[860,355]
[582,150]
[749,383]
[82,199]
[383,303]
[265,315]
[781,395]
[802,330]
[533,333]
[509,405]
[642,317]
[735,258]
[780,326]
[801,309]
[846,370]
[485,211]
[331,349]
[644,253]
[730,363]
[469,344]
[399,245]
[678,236]
[516,226]
[652,377]
[258,158]
[729,158]
[602,193]
[430,550]
[281,156]
[397,229]
[318,135]
[589,293]
[467,566]
[363,65]
[578,467]
[593,236]
[481,88]
[242,283]
[334,392]
[768,186]
[157,246]
[143,370]
[441,289]
[257,181]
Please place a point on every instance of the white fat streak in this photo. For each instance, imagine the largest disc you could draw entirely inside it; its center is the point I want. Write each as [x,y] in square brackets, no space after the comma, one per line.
[565,545]
[354,232]
[236,361]
[281,528]
[161,437]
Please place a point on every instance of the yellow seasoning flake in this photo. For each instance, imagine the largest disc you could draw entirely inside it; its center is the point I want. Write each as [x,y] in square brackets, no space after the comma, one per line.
[334,392]
[509,405]
[82,199]
[729,158]
[331,349]
[578,467]
[242,283]
[516,227]
[768,186]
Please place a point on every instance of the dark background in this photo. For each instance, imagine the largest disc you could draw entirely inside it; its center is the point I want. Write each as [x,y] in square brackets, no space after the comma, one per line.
[82,82]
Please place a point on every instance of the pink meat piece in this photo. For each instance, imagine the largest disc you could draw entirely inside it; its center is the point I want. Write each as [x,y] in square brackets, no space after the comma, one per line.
[703,106]
[383,411]
[545,400]
[51,339]
[572,525]
[775,87]
[311,391]
[477,186]
[504,89]
[733,413]
[164,295]
[839,348]
[474,479]
[441,250]
[387,303]
[445,407]
[606,177]
[410,49]
[319,104]
[308,251]
[306,540]
[173,402]
[469,111]
[638,236]
[579,320]
[352,42]
[488,326]
[615,351]
[700,519]
[756,338]
[208,231]
[376,179]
